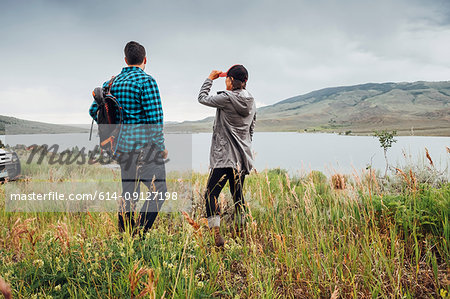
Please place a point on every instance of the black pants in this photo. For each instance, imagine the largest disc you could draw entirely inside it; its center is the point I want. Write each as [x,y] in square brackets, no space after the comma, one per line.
[218,177]
[135,169]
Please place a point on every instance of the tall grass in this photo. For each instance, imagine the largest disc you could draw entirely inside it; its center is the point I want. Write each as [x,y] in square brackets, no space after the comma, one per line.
[303,239]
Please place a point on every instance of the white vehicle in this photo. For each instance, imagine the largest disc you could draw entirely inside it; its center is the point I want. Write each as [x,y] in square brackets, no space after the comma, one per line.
[9,165]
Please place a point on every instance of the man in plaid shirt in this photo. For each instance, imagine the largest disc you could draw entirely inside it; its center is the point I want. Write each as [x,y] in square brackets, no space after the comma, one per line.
[138,95]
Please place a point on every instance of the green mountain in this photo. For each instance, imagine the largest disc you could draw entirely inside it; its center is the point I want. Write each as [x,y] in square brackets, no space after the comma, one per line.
[12,125]
[421,108]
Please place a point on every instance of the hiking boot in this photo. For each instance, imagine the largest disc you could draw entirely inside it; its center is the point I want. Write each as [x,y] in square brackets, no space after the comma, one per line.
[220,242]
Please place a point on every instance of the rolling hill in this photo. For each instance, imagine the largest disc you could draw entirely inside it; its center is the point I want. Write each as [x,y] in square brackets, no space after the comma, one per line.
[12,125]
[422,108]
[419,107]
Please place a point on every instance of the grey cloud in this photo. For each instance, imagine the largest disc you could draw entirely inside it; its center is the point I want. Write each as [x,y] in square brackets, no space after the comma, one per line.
[289,47]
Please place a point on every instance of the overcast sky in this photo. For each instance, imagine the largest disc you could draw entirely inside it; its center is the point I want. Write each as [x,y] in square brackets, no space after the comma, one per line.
[53,53]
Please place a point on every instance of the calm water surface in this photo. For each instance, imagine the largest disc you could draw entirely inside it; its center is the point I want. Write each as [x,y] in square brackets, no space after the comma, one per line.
[296,152]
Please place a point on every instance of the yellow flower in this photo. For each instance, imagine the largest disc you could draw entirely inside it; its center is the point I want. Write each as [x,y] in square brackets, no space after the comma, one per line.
[38,263]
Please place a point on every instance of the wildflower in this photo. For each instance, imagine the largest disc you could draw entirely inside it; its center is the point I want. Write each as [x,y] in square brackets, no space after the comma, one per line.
[201,273]
[58,288]
[38,263]
[200,284]
[7,275]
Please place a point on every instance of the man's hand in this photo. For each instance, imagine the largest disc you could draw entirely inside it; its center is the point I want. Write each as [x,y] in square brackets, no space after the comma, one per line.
[214,75]
[165,154]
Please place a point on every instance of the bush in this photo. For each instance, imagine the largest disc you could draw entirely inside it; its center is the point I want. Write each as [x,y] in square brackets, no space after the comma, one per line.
[419,213]
[317,177]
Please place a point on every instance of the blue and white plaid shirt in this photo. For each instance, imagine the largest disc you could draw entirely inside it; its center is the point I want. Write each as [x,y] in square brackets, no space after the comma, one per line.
[138,94]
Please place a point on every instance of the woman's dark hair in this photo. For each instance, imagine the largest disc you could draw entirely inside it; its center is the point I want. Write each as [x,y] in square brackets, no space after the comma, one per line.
[239,76]
[134,53]
[238,84]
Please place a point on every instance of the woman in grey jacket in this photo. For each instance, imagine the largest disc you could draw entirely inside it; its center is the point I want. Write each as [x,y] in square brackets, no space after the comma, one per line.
[231,156]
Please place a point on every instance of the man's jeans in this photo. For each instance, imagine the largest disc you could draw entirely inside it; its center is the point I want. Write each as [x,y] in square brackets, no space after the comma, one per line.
[135,168]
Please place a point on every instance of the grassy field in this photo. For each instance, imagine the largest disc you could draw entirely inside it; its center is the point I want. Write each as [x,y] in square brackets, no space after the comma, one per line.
[355,236]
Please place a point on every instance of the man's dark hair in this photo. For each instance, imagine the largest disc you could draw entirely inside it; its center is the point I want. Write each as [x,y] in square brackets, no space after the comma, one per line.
[134,53]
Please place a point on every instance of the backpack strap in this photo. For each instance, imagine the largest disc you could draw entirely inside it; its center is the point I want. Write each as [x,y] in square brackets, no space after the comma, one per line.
[90,134]
[110,83]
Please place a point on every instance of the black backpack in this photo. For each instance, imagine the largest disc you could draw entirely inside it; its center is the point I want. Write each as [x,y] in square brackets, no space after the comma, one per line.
[109,119]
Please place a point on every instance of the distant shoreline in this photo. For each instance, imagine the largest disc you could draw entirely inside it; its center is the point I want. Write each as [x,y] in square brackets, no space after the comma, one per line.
[428,132]
[355,134]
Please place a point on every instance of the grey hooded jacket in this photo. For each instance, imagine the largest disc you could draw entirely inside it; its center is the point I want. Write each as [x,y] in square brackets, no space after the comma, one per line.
[233,127]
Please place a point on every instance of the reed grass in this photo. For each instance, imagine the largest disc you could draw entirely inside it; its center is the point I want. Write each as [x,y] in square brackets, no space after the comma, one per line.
[306,237]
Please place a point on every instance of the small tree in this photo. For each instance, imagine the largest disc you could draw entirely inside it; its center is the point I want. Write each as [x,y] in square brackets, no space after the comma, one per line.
[386,140]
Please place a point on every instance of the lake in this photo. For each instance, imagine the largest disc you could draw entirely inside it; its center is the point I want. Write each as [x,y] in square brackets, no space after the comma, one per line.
[296,152]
